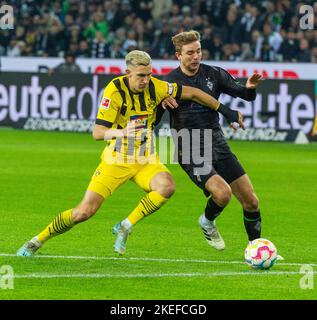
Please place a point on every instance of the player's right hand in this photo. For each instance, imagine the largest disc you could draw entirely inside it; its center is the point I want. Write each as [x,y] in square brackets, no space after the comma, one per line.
[169,102]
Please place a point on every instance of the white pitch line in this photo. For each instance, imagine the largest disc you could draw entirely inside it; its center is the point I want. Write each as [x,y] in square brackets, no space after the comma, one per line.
[151,259]
[153,275]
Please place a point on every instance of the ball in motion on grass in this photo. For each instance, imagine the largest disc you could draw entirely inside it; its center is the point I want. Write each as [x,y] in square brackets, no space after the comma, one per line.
[260,254]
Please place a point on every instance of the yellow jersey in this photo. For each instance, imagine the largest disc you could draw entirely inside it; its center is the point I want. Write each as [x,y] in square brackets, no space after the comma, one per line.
[119,105]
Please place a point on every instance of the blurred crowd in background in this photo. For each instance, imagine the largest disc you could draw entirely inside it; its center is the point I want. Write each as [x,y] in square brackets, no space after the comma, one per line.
[231,30]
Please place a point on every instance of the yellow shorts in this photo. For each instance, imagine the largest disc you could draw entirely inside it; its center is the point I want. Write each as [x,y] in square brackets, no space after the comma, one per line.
[108,177]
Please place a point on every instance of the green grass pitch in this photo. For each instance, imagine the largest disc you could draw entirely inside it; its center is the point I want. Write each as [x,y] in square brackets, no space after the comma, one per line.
[167,257]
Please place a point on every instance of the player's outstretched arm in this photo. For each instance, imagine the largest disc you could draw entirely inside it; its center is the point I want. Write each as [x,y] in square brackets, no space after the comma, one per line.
[103,133]
[201,97]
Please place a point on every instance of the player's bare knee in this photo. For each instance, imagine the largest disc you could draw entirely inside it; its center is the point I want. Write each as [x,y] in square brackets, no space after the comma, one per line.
[165,185]
[251,203]
[222,195]
[166,188]
[170,189]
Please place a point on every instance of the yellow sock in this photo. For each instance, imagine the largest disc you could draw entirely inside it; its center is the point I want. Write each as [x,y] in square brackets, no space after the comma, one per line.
[314,130]
[149,204]
[62,223]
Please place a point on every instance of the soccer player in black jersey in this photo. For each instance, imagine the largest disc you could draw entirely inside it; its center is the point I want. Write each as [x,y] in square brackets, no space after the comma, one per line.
[227,176]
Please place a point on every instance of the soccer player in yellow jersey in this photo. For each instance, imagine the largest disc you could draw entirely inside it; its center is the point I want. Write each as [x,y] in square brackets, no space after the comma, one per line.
[126,113]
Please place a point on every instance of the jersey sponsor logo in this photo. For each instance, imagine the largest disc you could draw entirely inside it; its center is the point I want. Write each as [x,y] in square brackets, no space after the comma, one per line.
[140,120]
[170,88]
[105,104]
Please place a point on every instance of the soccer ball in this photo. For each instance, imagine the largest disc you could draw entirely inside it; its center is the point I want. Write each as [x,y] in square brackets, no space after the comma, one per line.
[260,254]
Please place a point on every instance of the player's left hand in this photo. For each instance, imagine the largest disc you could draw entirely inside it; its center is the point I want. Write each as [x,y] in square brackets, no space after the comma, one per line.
[253,81]
[240,121]
[169,102]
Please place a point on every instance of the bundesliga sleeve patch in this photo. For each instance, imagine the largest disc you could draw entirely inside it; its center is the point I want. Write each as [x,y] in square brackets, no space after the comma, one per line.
[170,88]
[105,104]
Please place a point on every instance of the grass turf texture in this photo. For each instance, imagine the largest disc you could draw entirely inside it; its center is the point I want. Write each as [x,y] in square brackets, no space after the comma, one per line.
[167,256]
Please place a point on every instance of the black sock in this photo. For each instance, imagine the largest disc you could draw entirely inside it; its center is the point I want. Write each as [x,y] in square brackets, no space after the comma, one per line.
[212,210]
[252,224]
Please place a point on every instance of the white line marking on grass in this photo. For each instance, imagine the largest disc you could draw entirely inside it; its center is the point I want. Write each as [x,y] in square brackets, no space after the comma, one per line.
[150,259]
[155,275]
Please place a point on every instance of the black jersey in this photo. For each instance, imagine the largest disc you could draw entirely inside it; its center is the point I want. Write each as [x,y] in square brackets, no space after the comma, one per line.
[214,81]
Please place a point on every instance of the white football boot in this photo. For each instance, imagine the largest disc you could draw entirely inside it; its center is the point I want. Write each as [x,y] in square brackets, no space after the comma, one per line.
[211,233]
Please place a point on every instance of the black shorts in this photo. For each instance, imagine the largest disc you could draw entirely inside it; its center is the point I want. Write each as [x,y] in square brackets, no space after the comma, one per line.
[224,163]
[229,169]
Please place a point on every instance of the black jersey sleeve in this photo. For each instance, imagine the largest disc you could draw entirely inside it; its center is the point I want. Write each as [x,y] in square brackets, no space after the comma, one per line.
[159,114]
[232,87]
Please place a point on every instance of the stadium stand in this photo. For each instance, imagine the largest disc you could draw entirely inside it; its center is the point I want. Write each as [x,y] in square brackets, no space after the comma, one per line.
[231,30]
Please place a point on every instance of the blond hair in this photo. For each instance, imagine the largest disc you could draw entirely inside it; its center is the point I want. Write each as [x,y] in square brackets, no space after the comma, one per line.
[185,37]
[138,58]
